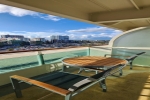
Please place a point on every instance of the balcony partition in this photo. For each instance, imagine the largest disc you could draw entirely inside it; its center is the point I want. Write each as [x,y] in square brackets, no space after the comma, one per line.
[123,53]
[27,63]
[99,51]
[131,42]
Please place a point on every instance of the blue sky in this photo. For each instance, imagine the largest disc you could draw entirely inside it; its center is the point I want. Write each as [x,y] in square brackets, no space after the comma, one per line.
[34,24]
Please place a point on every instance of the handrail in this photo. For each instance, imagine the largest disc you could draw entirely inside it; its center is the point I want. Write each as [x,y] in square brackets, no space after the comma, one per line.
[13,54]
[41,49]
[134,48]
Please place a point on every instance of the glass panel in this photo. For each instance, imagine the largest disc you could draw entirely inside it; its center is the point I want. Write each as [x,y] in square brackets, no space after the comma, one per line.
[57,57]
[19,63]
[99,52]
[12,64]
[142,60]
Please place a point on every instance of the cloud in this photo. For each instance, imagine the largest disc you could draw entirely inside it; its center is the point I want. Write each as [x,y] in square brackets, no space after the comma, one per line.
[93,33]
[94,29]
[16,11]
[51,17]
[22,12]
[117,31]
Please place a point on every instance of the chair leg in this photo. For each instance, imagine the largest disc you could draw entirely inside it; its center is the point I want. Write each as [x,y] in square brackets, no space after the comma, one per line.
[63,68]
[103,85]
[131,65]
[68,97]
[16,87]
[96,72]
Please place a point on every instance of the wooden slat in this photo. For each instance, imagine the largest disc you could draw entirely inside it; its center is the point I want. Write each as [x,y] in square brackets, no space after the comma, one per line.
[50,87]
[21,78]
[41,84]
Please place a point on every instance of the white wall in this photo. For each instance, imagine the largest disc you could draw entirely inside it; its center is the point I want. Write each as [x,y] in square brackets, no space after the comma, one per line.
[138,40]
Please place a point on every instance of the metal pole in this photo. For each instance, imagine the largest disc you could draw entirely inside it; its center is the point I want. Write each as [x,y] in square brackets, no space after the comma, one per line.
[131,65]
[16,87]
[88,51]
[68,97]
[40,58]
[103,85]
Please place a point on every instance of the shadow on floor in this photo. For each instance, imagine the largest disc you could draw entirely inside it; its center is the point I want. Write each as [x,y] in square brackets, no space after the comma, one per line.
[135,85]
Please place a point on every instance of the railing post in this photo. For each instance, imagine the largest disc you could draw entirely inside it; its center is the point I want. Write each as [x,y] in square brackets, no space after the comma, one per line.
[40,58]
[88,51]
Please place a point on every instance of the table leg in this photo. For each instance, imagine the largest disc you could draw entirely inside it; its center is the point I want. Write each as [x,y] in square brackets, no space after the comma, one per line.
[97,71]
[63,68]
[120,72]
[80,70]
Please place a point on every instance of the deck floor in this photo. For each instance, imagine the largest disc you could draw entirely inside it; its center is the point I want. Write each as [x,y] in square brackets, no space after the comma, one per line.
[133,85]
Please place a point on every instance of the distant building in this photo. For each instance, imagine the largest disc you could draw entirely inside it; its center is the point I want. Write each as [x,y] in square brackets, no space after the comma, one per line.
[38,39]
[59,37]
[12,36]
[54,37]
[3,40]
[26,39]
[13,39]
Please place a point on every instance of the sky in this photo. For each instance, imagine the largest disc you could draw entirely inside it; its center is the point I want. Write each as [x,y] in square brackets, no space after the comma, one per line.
[16,21]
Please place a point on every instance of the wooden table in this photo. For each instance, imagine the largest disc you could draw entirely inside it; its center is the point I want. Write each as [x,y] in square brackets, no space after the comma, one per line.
[93,62]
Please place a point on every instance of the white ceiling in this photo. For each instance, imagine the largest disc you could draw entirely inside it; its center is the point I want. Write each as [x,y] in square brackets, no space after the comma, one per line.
[118,14]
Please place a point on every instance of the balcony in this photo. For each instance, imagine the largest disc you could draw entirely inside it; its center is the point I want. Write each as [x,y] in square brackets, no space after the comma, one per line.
[133,85]
[124,15]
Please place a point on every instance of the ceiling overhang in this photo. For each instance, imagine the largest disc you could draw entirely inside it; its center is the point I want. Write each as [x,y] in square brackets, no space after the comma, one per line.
[123,14]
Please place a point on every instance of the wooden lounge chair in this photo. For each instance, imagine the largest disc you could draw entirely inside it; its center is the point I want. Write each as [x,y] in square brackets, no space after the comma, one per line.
[64,83]
[130,59]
